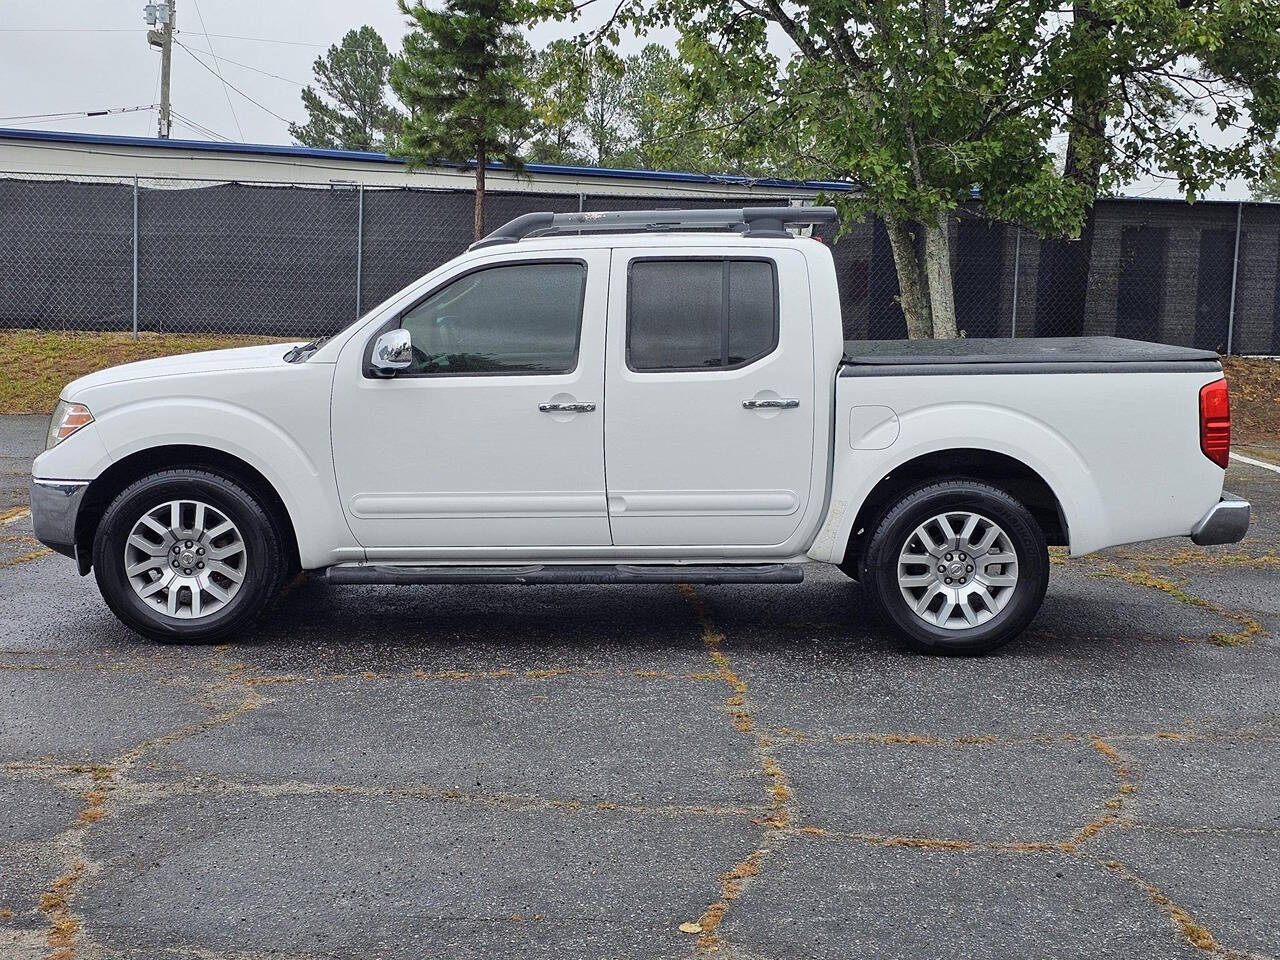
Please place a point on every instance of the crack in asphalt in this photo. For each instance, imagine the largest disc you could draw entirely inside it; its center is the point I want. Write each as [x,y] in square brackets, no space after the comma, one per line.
[236,690]
[778,827]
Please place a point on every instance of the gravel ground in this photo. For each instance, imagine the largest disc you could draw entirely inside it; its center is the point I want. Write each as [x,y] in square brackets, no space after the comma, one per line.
[579,771]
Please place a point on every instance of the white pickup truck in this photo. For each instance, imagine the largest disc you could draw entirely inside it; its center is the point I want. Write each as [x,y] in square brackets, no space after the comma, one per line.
[632,397]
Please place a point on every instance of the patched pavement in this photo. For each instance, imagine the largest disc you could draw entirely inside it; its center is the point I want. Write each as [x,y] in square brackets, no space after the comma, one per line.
[582,771]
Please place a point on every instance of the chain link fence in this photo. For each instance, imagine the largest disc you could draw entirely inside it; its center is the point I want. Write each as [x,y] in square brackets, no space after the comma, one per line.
[301,260]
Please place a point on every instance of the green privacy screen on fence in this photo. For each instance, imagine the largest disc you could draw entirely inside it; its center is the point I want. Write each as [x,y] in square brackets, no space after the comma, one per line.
[302,260]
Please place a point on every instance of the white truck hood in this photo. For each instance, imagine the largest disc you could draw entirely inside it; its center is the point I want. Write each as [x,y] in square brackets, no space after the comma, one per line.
[208,361]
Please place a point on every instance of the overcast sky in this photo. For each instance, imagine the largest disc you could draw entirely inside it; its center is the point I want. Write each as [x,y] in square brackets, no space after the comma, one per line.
[86,55]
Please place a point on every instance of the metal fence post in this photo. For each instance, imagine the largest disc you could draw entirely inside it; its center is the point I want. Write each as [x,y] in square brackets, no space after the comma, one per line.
[1235,271]
[359,241]
[135,258]
[1017,259]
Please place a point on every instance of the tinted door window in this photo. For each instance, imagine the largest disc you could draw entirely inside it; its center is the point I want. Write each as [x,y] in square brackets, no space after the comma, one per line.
[700,314]
[521,318]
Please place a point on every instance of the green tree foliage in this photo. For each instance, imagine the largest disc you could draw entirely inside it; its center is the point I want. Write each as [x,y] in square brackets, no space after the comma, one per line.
[594,107]
[1266,186]
[1130,77]
[463,75]
[648,110]
[918,101]
[350,111]
[555,90]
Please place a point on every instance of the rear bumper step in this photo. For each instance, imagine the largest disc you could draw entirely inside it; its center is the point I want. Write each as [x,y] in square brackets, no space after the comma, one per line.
[1226,522]
[570,573]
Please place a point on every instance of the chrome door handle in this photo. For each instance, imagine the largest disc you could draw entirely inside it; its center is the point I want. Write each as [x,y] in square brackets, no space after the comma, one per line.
[786,403]
[583,407]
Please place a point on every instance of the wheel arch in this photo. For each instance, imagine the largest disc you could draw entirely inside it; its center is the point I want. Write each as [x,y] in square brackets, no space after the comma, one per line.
[1000,470]
[108,485]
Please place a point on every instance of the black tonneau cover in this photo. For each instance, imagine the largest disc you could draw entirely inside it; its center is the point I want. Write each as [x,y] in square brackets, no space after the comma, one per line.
[1020,355]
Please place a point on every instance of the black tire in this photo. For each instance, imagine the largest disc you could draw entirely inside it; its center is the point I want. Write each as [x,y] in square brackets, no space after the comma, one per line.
[879,572]
[265,559]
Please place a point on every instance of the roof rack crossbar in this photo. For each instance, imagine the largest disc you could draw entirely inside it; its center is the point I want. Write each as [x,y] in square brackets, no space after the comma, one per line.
[749,221]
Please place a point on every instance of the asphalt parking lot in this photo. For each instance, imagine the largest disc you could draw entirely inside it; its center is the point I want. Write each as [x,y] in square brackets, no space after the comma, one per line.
[646,771]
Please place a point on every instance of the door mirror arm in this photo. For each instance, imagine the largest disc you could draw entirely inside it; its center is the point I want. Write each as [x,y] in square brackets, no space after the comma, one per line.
[392,352]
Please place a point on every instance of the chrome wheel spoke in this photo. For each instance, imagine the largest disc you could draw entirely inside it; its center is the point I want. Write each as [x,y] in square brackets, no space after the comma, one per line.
[145,546]
[215,532]
[225,570]
[151,523]
[948,531]
[923,602]
[150,563]
[176,576]
[998,579]
[216,591]
[993,533]
[959,582]
[152,587]
[222,553]
[916,580]
[932,546]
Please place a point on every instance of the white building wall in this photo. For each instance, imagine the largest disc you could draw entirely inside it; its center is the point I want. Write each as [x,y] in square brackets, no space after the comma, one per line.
[154,160]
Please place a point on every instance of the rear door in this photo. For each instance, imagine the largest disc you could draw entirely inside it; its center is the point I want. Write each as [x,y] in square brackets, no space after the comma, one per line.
[709,425]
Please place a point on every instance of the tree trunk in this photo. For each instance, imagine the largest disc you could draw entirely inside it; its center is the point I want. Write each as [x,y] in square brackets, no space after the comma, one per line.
[915,306]
[479,225]
[937,270]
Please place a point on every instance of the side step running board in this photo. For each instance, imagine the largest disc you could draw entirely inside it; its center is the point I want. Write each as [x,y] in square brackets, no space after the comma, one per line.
[570,573]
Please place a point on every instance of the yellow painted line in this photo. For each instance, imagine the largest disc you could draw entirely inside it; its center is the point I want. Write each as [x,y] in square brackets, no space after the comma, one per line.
[14,514]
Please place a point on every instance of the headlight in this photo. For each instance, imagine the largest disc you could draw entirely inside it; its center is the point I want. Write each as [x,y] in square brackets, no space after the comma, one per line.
[67,419]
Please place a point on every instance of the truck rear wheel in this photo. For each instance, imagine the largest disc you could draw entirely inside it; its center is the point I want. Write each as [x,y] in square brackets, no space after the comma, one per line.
[957,567]
[187,556]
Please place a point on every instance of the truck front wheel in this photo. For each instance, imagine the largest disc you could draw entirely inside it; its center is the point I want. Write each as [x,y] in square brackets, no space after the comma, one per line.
[187,556]
[957,567]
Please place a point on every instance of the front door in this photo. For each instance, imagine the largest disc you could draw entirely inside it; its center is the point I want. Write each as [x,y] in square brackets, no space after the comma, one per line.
[709,427]
[473,446]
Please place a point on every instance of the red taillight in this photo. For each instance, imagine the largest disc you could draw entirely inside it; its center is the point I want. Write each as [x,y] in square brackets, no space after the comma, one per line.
[1215,422]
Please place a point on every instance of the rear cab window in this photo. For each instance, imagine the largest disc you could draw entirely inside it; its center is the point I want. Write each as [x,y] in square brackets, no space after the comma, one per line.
[700,313]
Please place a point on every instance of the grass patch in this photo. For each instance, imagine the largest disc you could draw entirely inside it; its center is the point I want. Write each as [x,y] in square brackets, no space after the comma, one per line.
[1255,399]
[1249,628]
[36,364]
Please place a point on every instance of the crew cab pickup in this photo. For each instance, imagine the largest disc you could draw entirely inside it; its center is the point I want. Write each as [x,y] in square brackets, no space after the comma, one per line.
[632,397]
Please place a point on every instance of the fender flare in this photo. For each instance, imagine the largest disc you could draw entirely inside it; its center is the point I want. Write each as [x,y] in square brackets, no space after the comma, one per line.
[931,430]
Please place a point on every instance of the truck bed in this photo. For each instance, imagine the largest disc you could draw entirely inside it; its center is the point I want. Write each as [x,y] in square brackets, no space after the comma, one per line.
[1007,355]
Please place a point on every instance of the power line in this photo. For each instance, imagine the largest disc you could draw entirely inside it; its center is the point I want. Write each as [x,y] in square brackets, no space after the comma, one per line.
[71,30]
[218,68]
[290,43]
[192,55]
[200,128]
[265,73]
[69,114]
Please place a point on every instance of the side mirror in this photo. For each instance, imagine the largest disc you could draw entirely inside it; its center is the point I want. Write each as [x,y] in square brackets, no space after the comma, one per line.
[392,352]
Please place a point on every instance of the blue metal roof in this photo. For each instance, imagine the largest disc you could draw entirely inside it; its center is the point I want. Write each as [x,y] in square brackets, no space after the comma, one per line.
[282,150]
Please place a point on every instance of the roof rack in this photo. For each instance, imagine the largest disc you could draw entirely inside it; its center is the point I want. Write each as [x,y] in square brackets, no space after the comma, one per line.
[749,221]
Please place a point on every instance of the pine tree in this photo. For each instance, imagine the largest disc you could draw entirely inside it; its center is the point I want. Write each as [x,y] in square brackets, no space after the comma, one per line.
[462,75]
[349,111]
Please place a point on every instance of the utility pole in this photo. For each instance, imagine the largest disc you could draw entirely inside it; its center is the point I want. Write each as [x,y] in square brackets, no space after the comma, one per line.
[161,14]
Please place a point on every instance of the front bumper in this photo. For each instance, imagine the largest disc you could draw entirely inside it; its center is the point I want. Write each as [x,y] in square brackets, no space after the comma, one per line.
[55,504]
[1227,522]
